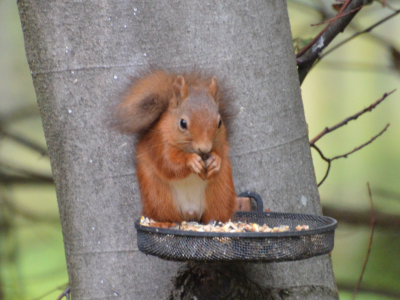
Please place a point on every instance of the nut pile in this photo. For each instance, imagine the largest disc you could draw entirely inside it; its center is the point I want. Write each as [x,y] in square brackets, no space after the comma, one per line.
[219,226]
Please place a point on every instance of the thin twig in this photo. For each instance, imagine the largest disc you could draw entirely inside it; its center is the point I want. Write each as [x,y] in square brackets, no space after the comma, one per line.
[373,222]
[338,16]
[313,41]
[340,124]
[32,145]
[359,33]
[65,293]
[16,115]
[52,291]
[372,35]
[15,210]
[30,174]
[353,117]
[363,145]
[325,159]
[329,160]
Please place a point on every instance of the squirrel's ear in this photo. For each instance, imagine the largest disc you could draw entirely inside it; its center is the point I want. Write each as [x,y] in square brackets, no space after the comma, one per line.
[180,88]
[213,88]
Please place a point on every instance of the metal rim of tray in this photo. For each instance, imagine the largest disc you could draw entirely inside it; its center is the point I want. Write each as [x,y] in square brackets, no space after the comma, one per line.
[331,226]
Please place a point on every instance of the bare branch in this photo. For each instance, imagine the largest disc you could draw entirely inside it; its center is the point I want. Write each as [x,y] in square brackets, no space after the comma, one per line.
[353,117]
[359,33]
[325,159]
[29,174]
[66,293]
[338,16]
[32,145]
[373,222]
[309,54]
[52,291]
[363,218]
[16,179]
[16,115]
[26,214]
[314,40]
[363,145]
[329,160]
[342,123]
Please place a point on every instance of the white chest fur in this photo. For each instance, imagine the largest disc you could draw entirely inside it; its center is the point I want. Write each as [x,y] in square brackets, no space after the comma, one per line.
[189,195]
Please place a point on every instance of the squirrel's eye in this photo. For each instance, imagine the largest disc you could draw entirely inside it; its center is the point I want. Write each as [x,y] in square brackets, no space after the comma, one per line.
[220,123]
[183,124]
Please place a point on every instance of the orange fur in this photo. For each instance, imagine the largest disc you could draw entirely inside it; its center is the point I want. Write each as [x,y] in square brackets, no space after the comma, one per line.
[167,153]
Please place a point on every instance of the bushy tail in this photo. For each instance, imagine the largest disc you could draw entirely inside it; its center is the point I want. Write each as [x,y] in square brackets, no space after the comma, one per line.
[144,101]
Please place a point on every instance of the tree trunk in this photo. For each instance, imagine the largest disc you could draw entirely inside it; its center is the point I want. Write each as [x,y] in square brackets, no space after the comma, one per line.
[81,54]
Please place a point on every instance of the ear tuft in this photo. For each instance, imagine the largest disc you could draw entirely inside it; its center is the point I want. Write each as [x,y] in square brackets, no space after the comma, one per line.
[213,88]
[180,88]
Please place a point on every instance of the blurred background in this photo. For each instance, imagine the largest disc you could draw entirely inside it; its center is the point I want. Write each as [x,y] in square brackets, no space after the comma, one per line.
[32,261]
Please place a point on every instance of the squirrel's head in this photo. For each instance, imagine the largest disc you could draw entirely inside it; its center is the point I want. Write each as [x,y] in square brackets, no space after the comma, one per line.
[197,121]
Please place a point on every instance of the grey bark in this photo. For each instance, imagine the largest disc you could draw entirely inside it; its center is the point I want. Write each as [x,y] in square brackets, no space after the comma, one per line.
[81,54]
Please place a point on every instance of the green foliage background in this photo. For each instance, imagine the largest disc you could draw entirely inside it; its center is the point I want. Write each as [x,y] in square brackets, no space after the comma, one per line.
[32,261]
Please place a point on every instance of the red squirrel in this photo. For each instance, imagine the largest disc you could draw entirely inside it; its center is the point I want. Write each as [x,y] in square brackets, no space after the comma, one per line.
[182,164]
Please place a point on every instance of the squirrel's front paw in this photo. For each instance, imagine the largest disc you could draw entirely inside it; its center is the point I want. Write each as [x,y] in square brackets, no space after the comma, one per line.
[196,164]
[213,164]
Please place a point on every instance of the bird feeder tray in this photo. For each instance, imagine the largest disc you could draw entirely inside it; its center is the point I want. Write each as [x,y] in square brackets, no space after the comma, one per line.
[179,245]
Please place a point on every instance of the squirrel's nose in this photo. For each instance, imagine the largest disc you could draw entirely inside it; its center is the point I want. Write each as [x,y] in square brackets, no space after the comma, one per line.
[204,149]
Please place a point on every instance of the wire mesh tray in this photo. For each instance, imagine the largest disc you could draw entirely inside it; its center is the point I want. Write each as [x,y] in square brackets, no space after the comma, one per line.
[179,245]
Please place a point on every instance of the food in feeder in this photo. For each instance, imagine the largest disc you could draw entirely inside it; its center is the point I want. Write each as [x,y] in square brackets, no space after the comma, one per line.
[302,227]
[219,226]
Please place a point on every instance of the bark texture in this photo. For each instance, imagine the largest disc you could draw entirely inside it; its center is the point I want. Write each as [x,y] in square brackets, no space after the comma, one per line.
[81,54]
